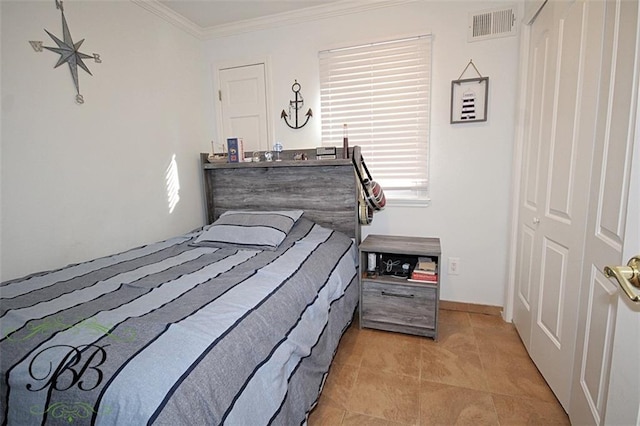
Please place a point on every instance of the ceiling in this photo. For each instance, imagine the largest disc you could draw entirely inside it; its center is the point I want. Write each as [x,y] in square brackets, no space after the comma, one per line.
[208,14]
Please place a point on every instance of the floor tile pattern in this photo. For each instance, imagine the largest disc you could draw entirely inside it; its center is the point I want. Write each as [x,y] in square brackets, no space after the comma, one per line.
[477,373]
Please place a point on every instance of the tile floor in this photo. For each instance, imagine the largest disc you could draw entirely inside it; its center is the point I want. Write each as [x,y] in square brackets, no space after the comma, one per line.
[477,373]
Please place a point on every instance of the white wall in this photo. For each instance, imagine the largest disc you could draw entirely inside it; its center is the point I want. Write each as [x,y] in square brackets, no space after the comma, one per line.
[470,164]
[82,181]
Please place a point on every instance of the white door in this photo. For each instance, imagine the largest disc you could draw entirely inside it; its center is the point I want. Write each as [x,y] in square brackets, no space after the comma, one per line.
[623,400]
[560,108]
[243,102]
[606,382]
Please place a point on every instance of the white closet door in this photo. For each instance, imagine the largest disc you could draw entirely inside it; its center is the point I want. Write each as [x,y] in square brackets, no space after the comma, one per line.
[554,188]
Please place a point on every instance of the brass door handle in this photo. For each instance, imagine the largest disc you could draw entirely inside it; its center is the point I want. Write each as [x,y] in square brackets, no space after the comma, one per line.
[627,277]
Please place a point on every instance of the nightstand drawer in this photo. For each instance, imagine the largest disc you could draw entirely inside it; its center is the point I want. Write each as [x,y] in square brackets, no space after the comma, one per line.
[399,304]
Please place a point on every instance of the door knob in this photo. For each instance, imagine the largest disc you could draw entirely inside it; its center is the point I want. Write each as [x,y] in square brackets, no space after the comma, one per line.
[536,220]
[627,276]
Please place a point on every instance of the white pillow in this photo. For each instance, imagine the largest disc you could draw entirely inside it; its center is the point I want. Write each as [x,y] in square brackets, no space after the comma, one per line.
[249,229]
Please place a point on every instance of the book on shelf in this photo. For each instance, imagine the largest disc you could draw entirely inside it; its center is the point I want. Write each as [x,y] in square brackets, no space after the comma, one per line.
[430,281]
[426,264]
[416,276]
[422,276]
[326,157]
[235,147]
[424,273]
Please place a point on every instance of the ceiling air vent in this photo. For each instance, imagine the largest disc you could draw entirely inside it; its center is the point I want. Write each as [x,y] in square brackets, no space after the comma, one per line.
[493,23]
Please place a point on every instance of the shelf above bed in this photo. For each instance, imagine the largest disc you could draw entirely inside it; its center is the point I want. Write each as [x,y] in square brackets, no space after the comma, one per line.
[287,161]
[283,163]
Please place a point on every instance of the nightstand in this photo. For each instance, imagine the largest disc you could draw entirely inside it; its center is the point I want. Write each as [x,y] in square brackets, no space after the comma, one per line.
[393,303]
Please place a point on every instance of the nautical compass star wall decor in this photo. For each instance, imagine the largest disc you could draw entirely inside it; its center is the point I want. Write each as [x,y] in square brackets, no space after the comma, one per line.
[68,51]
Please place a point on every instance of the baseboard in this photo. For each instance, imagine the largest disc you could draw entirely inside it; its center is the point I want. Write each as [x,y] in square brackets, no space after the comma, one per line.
[471,307]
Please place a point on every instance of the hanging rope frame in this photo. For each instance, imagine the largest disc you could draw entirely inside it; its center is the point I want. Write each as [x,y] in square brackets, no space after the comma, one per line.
[469,97]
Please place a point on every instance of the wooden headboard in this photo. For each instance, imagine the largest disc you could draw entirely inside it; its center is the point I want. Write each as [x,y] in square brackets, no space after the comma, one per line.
[327,190]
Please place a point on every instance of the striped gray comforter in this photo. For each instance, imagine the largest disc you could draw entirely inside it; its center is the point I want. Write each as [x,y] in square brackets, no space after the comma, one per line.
[172,333]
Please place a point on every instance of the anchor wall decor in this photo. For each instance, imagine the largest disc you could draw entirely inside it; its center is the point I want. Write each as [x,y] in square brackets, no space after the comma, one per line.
[294,107]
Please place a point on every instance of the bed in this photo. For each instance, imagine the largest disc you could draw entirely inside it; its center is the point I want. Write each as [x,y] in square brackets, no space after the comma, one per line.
[234,323]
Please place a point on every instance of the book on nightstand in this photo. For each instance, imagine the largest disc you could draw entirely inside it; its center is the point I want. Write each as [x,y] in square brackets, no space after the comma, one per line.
[426,264]
[426,278]
[425,271]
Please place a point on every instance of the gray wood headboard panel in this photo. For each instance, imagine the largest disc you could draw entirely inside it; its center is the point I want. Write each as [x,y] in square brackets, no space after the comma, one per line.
[327,190]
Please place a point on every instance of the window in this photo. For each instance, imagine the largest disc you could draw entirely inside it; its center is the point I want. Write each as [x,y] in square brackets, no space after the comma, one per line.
[382,92]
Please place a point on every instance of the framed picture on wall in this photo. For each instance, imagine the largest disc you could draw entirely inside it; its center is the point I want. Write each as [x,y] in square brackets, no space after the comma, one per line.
[469,100]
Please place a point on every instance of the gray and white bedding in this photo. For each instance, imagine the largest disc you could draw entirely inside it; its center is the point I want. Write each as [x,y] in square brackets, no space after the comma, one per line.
[178,332]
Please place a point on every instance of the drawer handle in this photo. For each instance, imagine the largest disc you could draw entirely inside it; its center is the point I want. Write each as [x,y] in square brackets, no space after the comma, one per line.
[406,296]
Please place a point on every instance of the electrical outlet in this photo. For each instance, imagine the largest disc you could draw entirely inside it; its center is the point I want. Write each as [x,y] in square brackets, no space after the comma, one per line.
[454,266]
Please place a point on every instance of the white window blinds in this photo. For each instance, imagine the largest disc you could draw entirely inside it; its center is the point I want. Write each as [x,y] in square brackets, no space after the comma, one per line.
[382,92]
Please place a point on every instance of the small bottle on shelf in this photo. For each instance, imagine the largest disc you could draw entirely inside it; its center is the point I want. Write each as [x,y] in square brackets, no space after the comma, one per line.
[371,265]
[345,142]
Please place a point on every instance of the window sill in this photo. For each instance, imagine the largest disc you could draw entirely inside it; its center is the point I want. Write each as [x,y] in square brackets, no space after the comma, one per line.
[399,202]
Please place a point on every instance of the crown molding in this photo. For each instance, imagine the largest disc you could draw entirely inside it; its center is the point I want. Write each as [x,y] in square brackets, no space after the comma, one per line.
[329,10]
[170,16]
